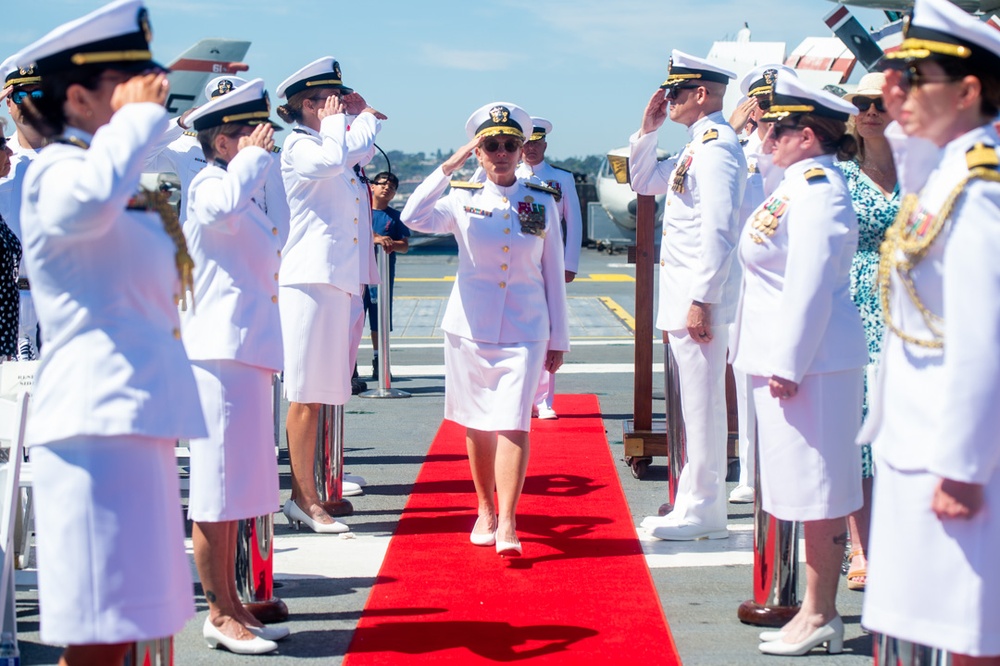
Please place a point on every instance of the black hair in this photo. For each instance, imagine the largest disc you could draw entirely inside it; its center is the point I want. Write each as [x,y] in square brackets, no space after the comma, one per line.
[989,81]
[46,115]
[388,175]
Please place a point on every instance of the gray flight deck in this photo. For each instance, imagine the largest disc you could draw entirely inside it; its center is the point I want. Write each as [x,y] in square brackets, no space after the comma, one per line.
[326,579]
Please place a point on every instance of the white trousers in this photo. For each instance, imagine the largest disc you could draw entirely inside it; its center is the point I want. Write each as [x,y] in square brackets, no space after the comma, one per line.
[701,490]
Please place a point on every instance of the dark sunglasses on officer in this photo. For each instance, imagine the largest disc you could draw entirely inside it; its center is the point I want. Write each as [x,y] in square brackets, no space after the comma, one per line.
[18,96]
[509,145]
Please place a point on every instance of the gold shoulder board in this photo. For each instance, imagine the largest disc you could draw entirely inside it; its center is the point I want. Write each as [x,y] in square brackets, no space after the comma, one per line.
[816,173]
[190,133]
[466,185]
[982,155]
[543,188]
[710,135]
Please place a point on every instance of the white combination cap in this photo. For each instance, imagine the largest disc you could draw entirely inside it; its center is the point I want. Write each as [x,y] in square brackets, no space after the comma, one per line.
[759,80]
[540,128]
[247,104]
[221,85]
[499,118]
[684,67]
[322,73]
[791,96]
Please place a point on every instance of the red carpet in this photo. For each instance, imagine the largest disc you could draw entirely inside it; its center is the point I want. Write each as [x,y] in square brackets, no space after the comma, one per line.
[581,594]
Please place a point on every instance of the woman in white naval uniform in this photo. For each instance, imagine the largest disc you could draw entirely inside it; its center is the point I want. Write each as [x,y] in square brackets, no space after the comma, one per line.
[327,259]
[506,317]
[237,222]
[800,339]
[115,388]
[935,420]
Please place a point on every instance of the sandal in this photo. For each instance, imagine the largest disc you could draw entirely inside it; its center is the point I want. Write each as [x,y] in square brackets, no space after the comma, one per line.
[856,578]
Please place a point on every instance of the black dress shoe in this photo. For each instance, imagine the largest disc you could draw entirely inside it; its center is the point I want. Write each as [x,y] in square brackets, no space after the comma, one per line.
[375,369]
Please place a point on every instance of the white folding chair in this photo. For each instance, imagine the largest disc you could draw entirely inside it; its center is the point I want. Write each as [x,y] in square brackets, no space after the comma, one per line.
[13,418]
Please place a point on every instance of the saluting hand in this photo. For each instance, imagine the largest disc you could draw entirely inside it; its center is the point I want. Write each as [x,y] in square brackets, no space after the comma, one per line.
[655,113]
[957,499]
[262,137]
[334,106]
[356,105]
[741,114]
[141,88]
[456,161]
[892,94]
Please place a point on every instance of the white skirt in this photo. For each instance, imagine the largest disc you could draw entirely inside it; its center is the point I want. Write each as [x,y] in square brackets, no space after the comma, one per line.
[810,467]
[110,537]
[234,472]
[321,329]
[930,581]
[491,387]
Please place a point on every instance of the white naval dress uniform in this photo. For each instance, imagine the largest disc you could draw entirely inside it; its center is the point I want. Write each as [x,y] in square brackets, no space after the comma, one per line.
[796,321]
[508,305]
[113,392]
[10,208]
[568,206]
[327,257]
[177,151]
[237,223]
[700,230]
[936,581]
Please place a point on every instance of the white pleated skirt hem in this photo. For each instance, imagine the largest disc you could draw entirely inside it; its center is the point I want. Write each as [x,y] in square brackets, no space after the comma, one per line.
[491,387]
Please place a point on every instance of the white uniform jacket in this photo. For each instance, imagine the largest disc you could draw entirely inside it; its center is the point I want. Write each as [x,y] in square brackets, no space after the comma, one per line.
[103,280]
[700,226]
[237,224]
[330,240]
[937,410]
[511,284]
[568,205]
[795,314]
[179,152]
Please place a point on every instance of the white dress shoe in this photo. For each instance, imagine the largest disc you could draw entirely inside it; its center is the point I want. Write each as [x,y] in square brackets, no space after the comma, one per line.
[354,478]
[741,495]
[297,516]
[685,531]
[255,645]
[350,489]
[768,636]
[482,538]
[508,548]
[269,633]
[830,634]
[651,522]
[546,412]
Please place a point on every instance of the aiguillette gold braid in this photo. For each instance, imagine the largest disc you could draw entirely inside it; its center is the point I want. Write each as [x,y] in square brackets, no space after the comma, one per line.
[185,265]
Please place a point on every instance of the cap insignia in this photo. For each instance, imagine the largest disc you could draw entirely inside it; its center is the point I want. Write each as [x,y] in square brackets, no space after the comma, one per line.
[500,115]
[769,76]
[143,20]
[225,85]
[336,71]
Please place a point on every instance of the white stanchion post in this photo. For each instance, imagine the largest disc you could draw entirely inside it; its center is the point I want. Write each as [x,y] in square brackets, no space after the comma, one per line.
[328,468]
[384,389]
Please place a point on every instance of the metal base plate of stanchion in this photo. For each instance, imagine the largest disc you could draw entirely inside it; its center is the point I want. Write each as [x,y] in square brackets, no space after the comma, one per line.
[750,612]
[339,507]
[270,611]
[384,393]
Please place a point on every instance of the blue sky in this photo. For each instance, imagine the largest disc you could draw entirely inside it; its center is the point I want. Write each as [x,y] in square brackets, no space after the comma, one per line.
[587,65]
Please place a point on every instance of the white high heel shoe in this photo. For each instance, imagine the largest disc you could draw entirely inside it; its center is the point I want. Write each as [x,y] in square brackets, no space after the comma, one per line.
[269,633]
[830,634]
[297,516]
[482,538]
[255,645]
[768,636]
[508,548]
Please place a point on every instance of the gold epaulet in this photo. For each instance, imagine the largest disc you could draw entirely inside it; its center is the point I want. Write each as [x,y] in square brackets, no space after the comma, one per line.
[981,155]
[542,188]
[814,174]
[710,135]
[466,185]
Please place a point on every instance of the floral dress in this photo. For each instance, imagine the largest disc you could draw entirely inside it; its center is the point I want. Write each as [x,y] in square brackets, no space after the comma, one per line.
[876,213]
[10,297]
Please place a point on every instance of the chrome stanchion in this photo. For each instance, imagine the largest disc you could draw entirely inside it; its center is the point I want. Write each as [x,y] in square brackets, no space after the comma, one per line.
[775,563]
[384,389]
[891,651]
[157,652]
[676,443]
[328,468]
[255,569]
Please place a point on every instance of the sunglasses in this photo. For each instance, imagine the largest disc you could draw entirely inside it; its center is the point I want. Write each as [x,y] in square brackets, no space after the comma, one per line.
[19,96]
[764,103]
[674,93]
[777,131]
[865,103]
[509,145]
[912,78]
[385,182]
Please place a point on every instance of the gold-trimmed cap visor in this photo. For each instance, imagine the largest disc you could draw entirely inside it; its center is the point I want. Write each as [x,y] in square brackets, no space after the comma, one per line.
[938,29]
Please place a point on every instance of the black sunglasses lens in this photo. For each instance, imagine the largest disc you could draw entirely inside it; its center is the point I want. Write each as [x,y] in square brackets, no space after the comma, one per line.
[511,145]
[491,145]
[763,103]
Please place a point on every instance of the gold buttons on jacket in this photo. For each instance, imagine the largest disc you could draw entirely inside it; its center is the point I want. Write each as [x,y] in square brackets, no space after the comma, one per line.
[507,230]
[506,248]
[503,285]
[177,334]
[504,199]
[355,241]
[353,181]
[503,267]
[274,299]
[662,262]
[357,200]
[355,220]
[274,230]
[279,253]
[506,216]
[275,276]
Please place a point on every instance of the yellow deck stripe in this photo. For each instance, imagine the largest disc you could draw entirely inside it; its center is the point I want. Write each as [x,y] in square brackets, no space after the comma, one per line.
[619,312]
[593,277]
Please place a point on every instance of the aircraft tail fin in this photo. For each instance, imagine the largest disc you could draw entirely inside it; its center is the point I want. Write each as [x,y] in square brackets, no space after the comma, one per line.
[207,59]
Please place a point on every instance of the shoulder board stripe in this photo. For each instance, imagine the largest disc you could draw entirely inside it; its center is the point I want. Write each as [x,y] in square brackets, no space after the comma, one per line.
[982,155]
[814,174]
[466,185]
[543,188]
[710,135]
